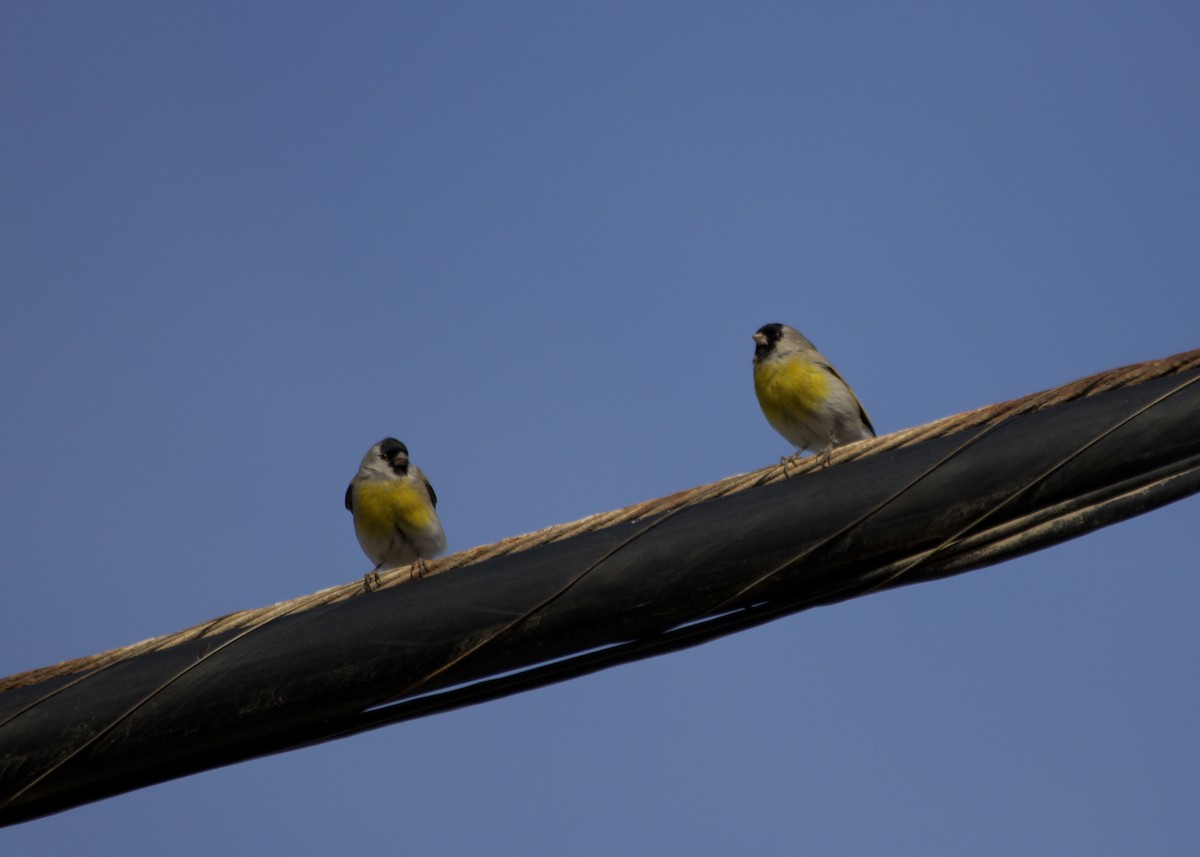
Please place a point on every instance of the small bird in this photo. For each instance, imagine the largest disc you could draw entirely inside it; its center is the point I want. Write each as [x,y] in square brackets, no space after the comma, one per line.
[393,507]
[802,396]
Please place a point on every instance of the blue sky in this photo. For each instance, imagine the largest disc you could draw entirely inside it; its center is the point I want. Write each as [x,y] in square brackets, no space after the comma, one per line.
[242,242]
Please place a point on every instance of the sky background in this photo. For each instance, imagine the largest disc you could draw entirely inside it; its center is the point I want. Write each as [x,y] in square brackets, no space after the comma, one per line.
[240,243]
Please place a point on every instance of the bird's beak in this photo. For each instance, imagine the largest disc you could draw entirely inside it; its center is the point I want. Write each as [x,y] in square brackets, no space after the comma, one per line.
[759,338]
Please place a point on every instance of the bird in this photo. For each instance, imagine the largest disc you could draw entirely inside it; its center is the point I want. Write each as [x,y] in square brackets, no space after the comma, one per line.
[394,509]
[802,396]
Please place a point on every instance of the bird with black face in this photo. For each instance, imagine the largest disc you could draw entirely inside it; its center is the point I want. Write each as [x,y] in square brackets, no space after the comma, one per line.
[394,508]
[802,396]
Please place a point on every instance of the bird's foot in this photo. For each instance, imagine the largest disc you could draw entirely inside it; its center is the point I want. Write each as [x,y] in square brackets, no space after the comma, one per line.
[793,460]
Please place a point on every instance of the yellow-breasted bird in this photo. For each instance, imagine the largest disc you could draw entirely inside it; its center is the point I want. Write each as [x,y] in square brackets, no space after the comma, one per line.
[394,508]
[802,396]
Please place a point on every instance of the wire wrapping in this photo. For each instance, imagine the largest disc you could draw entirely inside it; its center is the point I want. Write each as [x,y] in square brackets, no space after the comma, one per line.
[756,598]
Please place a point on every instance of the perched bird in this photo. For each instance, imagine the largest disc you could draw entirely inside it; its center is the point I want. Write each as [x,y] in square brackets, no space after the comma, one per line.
[802,395]
[393,507]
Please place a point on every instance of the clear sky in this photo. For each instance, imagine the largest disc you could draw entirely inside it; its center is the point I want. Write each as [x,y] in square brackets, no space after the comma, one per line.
[241,242]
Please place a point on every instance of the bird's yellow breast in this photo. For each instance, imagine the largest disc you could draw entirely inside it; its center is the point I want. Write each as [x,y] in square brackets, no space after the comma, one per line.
[380,507]
[790,388]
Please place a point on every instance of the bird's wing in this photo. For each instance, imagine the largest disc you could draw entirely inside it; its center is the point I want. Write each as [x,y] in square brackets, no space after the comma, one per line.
[861,410]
